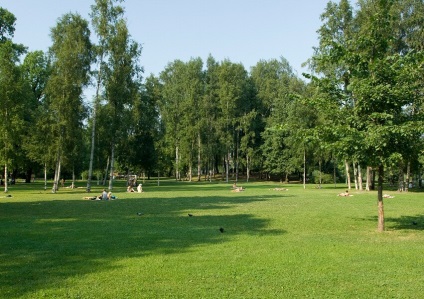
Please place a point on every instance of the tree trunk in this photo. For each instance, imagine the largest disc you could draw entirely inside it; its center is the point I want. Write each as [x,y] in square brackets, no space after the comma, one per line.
[112,162]
[320,175]
[334,174]
[45,176]
[408,176]
[106,170]
[90,167]
[355,176]
[237,155]
[368,183]
[380,227]
[247,168]
[361,187]
[177,162]
[73,178]
[190,171]
[400,180]
[199,161]
[347,175]
[227,166]
[56,175]
[93,129]
[28,175]
[304,168]
[5,178]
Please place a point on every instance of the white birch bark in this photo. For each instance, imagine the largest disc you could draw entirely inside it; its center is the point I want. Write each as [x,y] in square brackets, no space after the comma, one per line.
[112,161]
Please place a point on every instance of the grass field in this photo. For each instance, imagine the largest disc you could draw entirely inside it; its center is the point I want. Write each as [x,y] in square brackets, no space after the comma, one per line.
[276,244]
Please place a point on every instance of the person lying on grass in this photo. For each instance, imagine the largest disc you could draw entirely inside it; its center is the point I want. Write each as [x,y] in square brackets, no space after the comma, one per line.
[344,193]
[237,189]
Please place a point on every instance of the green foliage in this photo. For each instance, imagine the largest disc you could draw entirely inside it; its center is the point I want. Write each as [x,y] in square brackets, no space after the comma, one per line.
[322,178]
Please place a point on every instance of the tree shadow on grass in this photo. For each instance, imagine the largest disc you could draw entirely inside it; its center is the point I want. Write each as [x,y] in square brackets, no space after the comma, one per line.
[43,243]
[401,223]
[406,222]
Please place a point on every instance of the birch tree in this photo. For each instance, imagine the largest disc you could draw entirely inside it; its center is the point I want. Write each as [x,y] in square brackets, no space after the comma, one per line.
[104,17]
[71,57]
[13,90]
[122,75]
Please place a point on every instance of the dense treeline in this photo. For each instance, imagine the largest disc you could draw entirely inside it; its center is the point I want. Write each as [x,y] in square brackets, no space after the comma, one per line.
[358,113]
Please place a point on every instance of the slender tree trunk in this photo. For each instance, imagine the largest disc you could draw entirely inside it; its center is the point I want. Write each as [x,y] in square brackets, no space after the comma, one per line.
[59,173]
[56,175]
[380,226]
[304,168]
[6,178]
[400,180]
[93,129]
[360,178]
[177,162]
[349,186]
[320,175]
[408,176]
[45,176]
[199,161]
[112,162]
[334,174]
[237,155]
[106,171]
[368,183]
[355,176]
[73,178]
[247,168]
[227,166]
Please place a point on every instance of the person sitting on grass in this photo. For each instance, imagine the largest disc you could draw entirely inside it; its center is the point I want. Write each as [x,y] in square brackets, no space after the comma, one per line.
[103,196]
[140,188]
[110,196]
[130,188]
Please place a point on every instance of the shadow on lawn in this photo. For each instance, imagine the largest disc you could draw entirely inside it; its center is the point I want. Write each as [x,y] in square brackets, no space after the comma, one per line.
[43,243]
[402,223]
[406,222]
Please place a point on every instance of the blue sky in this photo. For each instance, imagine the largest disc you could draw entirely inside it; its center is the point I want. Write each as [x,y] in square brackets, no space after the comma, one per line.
[244,31]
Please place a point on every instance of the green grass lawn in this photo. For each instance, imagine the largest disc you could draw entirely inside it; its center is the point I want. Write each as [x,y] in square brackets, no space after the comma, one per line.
[276,244]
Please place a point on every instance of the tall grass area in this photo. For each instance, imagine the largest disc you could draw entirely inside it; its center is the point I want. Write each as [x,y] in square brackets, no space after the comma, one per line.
[276,244]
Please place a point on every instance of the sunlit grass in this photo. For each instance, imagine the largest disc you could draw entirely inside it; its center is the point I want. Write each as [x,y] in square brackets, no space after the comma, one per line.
[276,244]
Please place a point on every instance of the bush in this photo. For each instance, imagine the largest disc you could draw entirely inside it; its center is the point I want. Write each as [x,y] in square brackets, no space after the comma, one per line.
[326,178]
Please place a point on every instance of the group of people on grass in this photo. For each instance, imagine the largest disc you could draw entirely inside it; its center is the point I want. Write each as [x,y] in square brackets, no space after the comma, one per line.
[108,195]
[139,188]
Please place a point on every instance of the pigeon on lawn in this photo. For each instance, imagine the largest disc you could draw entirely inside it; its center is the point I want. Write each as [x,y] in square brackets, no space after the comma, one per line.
[221,229]
[139,214]
[190,215]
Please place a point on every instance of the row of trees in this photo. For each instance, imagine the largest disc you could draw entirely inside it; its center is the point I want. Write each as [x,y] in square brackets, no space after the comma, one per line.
[361,108]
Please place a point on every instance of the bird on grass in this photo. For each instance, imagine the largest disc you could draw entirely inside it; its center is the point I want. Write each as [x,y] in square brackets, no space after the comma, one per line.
[221,229]
[414,223]
[139,213]
[190,215]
